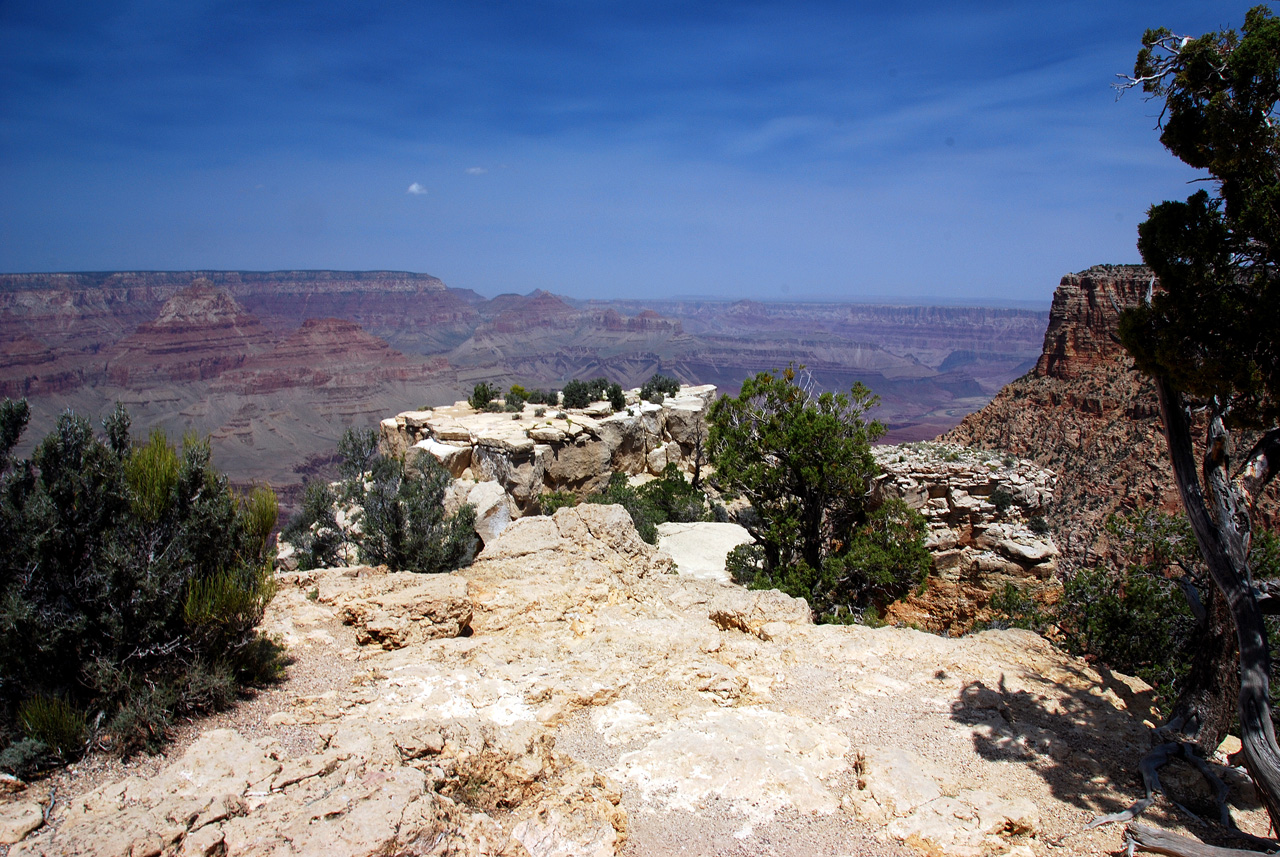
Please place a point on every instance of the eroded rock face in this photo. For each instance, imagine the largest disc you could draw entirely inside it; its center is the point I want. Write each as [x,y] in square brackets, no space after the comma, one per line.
[562,450]
[594,699]
[1090,416]
[986,529]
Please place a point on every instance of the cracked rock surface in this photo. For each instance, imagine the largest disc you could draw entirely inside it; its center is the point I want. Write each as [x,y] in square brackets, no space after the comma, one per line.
[567,695]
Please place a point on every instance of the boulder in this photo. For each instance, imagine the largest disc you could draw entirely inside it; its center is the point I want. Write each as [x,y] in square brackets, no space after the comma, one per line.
[452,457]
[494,510]
[396,609]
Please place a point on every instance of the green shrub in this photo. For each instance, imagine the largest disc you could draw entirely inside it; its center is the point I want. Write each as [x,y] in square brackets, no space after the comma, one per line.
[643,514]
[516,396]
[55,724]
[1002,500]
[313,530]
[668,498]
[550,501]
[884,560]
[539,412]
[1039,525]
[745,563]
[482,395]
[673,498]
[658,387]
[617,399]
[544,397]
[127,571]
[803,459]
[404,524]
[579,394]
[576,394]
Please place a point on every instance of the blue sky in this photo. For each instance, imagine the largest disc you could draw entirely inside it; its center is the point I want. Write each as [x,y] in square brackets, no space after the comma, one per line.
[590,147]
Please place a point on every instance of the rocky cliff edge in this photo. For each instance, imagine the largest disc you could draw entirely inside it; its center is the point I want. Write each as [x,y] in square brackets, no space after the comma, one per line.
[566,695]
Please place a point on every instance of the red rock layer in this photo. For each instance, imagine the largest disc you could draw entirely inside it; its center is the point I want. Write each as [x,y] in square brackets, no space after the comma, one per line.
[200,333]
[326,354]
[1086,413]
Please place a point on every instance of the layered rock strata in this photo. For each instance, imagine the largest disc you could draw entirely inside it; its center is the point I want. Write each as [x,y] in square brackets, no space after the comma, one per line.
[986,529]
[1089,415]
[561,450]
[565,695]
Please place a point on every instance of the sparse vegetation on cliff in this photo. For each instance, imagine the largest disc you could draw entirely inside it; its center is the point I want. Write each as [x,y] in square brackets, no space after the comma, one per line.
[667,498]
[130,584]
[395,514]
[658,387]
[803,460]
[579,394]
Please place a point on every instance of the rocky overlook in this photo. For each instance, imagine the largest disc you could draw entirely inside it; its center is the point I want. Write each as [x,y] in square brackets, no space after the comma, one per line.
[503,462]
[566,694]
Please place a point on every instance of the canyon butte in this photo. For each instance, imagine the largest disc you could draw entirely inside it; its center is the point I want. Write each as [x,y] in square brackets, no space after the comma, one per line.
[571,692]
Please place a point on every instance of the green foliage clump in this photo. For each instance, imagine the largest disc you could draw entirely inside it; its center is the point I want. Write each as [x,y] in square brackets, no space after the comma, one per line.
[620,492]
[313,530]
[804,462]
[884,560]
[404,523]
[543,397]
[550,501]
[517,396]
[1002,500]
[482,395]
[579,394]
[667,498]
[1134,617]
[658,387]
[398,505]
[132,578]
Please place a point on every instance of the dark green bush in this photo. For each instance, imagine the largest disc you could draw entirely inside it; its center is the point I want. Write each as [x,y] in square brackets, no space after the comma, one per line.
[576,394]
[579,394]
[544,397]
[674,498]
[658,387]
[1135,618]
[745,563]
[1002,500]
[884,560]
[404,524]
[516,396]
[668,498]
[550,501]
[643,514]
[313,530]
[482,395]
[128,572]
[617,399]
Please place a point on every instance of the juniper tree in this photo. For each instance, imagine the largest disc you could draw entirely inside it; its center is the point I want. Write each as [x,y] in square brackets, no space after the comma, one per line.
[1208,335]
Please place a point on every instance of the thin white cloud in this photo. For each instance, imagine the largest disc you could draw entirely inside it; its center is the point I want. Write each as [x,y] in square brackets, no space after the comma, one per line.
[416,189]
[476,171]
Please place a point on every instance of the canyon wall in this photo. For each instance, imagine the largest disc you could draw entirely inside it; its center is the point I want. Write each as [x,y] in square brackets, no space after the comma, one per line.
[1085,412]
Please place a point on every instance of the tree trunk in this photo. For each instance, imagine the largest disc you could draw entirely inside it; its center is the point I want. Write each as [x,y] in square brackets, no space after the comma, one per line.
[1224,555]
[1205,706]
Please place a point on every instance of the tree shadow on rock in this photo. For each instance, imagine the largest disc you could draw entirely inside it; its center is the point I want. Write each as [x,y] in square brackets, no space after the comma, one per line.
[1085,733]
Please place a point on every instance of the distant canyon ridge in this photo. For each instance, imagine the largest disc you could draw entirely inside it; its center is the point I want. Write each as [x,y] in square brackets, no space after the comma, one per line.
[273,366]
